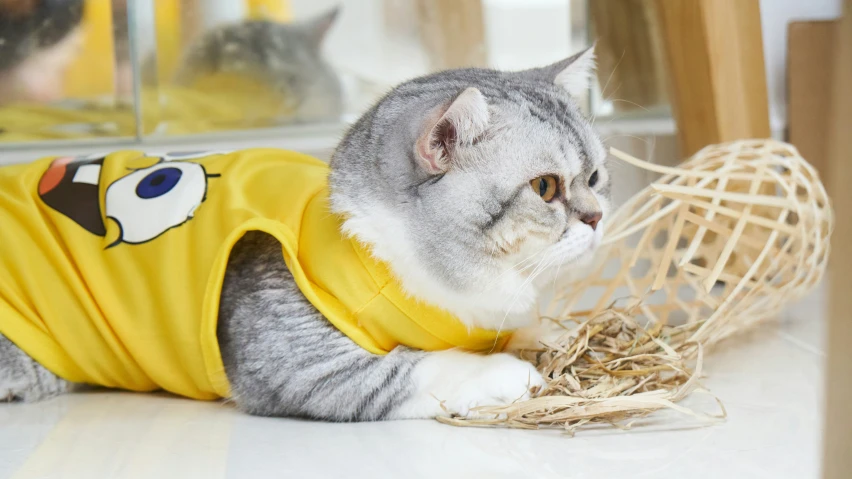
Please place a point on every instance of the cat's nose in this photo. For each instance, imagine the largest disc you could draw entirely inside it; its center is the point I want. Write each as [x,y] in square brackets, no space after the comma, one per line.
[592,219]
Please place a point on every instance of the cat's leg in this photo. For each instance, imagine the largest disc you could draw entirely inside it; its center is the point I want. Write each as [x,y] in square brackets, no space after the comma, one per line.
[23,379]
[283,358]
[308,368]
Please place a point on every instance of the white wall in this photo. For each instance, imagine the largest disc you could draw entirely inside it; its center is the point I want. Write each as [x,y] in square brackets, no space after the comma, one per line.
[359,43]
[520,34]
[775,17]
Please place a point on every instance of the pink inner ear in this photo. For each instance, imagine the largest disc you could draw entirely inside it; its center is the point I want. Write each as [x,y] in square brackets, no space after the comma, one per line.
[461,121]
[430,147]
[429,155]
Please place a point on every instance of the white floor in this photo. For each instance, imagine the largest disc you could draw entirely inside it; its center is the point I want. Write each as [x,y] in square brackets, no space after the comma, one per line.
[771,385]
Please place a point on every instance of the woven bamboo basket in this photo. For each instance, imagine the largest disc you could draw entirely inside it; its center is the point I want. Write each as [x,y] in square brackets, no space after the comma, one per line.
[713,247]
[722,242]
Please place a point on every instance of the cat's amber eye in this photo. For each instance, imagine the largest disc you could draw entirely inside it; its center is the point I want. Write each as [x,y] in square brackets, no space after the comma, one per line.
[545,186]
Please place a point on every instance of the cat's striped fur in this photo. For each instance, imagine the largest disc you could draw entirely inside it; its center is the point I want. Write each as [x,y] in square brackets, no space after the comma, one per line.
[284,359]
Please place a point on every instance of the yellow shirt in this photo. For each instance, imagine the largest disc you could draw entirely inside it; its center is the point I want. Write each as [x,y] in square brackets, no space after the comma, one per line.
[112,267]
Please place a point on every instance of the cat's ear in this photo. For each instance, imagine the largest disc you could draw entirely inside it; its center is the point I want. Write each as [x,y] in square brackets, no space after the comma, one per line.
[461,123]
[572,73]
[317,28]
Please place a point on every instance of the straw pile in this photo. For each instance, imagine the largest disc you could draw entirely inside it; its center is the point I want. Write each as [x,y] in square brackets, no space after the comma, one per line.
[711,248]
[607,369]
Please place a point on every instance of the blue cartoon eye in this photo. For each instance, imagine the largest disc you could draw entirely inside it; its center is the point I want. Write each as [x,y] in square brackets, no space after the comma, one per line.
[158,183]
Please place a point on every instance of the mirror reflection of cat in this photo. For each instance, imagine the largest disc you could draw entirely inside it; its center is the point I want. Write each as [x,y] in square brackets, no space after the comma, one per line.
[284,58]
[41,39]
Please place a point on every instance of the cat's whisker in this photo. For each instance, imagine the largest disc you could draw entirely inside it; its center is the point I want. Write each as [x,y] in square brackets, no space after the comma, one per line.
[612,73]
[646,141]
[556,276]
[512,268]
[610,98]
[504,273]
[535,269]
[606,84]
[515,298]
[538,270]
[629,102]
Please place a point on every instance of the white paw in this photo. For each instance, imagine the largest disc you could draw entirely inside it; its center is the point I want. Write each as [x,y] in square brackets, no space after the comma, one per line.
[504,379]
[455,383]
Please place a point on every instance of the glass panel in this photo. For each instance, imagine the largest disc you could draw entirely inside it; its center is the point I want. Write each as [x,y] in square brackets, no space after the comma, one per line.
[212,65]
[164,68]
[60,71]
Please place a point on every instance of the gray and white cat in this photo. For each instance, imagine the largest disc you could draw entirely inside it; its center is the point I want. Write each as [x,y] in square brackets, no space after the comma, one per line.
[287,57]
[470,184]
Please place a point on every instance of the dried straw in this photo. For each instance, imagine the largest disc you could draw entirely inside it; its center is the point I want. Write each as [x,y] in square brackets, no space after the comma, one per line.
[713,247]
[607,369]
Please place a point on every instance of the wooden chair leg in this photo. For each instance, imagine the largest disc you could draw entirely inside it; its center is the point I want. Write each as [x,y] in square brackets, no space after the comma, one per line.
[714,51]
[837,442]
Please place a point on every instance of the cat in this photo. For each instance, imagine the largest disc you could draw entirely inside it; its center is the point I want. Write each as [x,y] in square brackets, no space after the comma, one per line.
[284,57]
[470,184]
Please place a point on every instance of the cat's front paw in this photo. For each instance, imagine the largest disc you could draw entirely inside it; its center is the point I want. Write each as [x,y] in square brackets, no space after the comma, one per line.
[455,383]
[502,380]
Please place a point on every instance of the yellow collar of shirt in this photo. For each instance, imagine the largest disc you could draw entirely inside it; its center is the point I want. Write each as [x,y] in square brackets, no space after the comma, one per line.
[359,295]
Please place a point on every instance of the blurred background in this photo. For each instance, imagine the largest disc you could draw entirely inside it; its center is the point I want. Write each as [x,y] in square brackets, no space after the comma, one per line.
[294,73]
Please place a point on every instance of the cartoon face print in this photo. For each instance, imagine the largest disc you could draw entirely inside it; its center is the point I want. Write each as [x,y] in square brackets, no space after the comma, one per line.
[144,204]
[150,201]
[70,186]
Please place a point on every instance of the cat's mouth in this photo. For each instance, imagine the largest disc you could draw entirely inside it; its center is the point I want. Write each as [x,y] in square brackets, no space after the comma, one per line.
[578,243]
